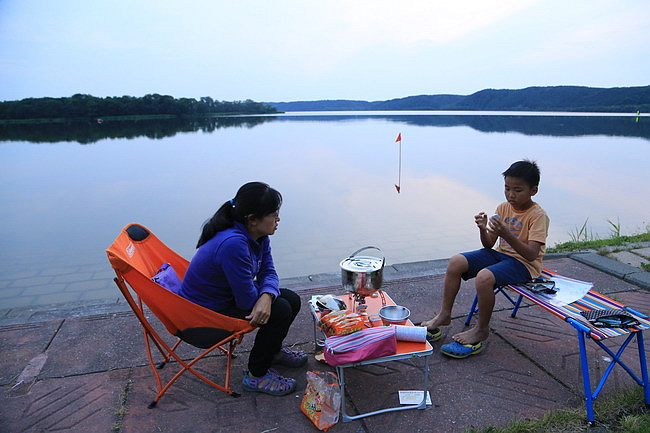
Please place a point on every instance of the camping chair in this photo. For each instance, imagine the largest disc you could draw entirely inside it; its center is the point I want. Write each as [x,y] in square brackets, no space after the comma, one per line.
[571,313]
[136,255]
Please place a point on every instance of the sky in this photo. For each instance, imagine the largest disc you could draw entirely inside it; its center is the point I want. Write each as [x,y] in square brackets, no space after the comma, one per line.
[292,50]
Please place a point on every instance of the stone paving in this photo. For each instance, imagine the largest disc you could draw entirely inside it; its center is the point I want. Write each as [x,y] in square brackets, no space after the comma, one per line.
[83,368]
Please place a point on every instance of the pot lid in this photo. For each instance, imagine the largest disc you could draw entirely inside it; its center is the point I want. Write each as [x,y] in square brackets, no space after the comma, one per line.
[363,264]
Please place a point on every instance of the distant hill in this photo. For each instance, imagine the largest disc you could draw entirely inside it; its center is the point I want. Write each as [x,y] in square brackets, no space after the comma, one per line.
[554,98]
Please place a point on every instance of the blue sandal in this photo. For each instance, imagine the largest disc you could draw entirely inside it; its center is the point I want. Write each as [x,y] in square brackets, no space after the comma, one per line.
[457,350]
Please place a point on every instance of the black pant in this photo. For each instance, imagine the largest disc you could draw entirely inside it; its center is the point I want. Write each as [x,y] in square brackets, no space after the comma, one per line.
[270,336]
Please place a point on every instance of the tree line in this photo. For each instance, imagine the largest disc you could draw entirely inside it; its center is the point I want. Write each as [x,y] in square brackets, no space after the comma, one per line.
[81,105]
[551,98]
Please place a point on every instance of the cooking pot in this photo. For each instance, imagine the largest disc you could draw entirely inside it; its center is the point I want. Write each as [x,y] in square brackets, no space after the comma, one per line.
[362,275]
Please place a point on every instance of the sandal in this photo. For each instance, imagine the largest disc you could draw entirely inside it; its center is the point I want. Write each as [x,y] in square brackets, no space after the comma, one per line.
[271,383]
[457,350]
[434,335]
[289,358]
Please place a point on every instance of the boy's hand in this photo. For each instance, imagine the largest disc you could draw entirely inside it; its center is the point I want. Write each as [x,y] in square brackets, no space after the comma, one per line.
[496,226]
[481,220]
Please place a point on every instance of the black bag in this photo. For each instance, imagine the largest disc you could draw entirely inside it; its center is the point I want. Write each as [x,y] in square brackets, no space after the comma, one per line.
[541,286]
[614,318]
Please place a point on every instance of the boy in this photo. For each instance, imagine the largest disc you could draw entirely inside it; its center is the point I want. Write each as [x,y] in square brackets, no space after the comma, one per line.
[521,226]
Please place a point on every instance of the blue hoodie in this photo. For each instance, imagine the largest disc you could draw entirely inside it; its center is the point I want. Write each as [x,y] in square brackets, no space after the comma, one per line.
[230,269]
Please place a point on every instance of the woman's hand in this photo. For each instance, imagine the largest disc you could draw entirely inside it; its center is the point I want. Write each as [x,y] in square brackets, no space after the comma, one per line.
[261,310]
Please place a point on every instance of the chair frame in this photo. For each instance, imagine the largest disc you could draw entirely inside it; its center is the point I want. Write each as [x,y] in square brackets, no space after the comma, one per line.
[230,338]
[583,333]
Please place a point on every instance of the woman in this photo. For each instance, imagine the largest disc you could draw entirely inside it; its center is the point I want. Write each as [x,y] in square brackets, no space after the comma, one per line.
[232,273]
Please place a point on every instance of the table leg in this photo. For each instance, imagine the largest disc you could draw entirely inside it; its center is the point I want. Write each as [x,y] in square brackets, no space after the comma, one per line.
[340,371]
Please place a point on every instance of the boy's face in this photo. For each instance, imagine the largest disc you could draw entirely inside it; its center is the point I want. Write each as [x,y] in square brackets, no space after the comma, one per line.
[518,193]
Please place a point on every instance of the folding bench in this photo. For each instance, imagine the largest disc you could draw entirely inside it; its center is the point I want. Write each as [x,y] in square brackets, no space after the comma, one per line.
[136,255]
[571,313]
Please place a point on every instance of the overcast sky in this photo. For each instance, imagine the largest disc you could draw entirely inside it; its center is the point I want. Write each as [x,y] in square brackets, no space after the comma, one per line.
[287,50]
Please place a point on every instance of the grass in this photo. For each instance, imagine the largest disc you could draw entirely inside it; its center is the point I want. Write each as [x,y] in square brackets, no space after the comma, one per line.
[582,238]
[622,412]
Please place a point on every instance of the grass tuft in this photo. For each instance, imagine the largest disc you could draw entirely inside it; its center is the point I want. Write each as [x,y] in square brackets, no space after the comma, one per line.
[621,412]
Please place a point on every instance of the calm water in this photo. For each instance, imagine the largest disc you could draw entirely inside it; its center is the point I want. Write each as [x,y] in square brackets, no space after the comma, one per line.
[67,189]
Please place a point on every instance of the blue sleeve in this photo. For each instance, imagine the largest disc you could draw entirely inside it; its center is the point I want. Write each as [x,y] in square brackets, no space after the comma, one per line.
[238,269]
[267,278]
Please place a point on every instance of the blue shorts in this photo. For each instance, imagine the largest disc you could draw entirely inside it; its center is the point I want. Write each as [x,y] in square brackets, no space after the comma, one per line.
[506,269]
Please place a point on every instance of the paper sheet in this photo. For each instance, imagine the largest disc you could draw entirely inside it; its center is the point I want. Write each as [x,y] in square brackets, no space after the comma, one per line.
[413,397]
[567,292]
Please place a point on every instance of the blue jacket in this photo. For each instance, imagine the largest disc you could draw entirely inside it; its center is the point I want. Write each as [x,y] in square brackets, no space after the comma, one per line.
[230,269]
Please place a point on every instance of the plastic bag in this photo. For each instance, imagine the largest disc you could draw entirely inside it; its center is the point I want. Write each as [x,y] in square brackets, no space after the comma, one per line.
[341,323]
[322,400]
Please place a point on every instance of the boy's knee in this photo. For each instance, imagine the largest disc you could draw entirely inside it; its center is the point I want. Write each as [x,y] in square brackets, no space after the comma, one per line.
[457,264]
[485,279]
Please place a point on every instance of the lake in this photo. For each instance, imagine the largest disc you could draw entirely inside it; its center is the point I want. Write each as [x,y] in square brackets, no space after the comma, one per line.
[68,188]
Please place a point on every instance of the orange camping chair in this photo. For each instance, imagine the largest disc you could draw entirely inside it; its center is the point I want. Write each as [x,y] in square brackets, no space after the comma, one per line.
[136,255]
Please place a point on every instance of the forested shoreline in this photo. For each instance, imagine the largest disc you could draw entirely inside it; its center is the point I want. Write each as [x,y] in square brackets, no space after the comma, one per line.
[551,98]
[88,106]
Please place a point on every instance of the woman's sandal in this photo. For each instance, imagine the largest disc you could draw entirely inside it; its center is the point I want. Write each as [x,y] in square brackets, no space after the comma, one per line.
[271,383]
[290,358]
[457,350]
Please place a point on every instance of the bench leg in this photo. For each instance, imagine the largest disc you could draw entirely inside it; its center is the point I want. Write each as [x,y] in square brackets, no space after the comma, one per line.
[644,367]
[589,401]
[472,311]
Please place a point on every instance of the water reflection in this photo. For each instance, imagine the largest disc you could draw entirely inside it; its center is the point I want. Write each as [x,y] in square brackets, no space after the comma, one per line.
[87,132]
[64,203]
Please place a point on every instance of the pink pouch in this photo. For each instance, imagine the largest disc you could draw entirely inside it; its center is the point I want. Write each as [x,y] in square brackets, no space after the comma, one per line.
[368,343]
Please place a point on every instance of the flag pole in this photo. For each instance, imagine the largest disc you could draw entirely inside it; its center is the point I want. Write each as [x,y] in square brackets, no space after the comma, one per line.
[399,168]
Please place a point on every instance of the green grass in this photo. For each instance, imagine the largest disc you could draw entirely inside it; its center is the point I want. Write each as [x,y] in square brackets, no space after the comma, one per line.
[622,412]
[582,239]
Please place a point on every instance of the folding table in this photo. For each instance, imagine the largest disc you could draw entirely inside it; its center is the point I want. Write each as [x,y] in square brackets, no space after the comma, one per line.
[405,350]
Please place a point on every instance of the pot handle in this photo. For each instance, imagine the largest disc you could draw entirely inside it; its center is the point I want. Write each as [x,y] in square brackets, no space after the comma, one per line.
[383,258]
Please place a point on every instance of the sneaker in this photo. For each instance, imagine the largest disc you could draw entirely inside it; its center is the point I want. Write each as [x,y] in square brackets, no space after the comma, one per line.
[289,358]
[271,383]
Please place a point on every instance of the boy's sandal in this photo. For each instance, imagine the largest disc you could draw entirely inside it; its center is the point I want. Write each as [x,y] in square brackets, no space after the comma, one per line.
[457,350]
[434,335]
[271,383]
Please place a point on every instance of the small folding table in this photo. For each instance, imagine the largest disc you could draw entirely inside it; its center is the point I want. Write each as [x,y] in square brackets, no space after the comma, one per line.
[405,350]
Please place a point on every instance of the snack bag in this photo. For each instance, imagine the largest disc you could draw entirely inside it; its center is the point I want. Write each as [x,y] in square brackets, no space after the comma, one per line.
[341,323]
[322,400]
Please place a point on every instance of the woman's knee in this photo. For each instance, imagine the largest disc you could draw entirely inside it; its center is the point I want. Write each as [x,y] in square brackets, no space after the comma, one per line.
[292,298]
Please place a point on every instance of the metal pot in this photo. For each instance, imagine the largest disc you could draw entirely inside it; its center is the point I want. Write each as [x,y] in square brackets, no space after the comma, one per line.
[394,315]
[363,275]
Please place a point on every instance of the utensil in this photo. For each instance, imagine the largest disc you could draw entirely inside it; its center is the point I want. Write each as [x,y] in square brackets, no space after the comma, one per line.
[394,315]
[331,303]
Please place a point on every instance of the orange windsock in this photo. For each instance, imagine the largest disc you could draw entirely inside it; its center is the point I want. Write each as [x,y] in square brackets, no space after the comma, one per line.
[399,137]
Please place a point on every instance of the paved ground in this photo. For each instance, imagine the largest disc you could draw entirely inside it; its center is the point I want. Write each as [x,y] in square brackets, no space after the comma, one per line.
[82,368]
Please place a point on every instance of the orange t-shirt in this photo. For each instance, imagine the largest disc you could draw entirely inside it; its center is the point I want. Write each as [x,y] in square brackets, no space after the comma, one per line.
[529,225]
